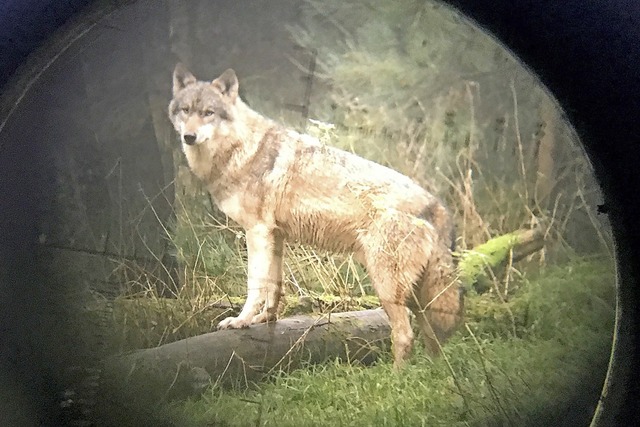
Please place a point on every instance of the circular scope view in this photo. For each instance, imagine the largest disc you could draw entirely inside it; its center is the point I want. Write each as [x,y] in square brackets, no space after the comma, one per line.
[306,214]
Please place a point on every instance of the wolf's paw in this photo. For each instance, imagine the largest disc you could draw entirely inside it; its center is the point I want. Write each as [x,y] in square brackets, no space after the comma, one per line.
[233,323]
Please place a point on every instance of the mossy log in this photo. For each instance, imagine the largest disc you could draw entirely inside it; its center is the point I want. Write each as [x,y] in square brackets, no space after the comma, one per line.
[242,356]
[474,266]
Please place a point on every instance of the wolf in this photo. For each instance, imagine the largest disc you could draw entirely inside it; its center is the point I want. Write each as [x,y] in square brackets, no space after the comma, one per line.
[281,185]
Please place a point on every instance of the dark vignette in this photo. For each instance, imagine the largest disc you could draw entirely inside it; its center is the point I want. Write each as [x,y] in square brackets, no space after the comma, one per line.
[586,53]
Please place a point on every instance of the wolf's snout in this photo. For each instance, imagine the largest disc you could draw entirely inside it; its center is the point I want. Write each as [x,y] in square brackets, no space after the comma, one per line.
[189,138]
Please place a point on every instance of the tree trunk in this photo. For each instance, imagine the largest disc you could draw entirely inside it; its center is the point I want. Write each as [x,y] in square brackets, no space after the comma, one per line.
[158,64]
[544,154]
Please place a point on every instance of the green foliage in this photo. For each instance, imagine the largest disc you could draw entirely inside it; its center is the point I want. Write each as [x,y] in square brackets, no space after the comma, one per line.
[209,249]
[545,301]
[564,320]
[568,297]
[152,321]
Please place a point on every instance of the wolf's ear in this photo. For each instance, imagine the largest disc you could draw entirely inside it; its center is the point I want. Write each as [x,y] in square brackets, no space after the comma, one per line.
[181,78]
[227,83]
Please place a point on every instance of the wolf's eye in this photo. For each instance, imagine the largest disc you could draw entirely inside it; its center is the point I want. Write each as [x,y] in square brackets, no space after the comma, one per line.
[208,113]
[185,110]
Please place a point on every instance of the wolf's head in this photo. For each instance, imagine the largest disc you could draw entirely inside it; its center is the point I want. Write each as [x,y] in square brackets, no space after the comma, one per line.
[201,111]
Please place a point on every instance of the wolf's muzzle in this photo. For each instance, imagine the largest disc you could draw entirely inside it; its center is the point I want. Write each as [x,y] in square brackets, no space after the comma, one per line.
[189,138]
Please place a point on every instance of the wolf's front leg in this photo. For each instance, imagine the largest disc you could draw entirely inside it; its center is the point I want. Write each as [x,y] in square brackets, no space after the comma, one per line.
[265,250]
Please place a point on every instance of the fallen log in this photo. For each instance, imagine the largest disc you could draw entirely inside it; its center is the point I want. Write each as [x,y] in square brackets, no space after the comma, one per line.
[242,356]
[475,266]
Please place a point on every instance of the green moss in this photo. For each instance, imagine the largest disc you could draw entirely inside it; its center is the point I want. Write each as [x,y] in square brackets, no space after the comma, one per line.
[473,264]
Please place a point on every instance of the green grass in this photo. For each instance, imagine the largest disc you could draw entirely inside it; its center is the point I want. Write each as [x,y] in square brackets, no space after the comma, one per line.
[551,366]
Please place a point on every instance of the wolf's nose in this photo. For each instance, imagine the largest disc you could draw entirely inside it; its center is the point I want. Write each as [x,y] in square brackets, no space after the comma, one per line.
[189,138]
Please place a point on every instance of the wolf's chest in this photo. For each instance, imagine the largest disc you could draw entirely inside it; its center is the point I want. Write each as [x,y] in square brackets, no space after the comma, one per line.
[245,209]
[232,207]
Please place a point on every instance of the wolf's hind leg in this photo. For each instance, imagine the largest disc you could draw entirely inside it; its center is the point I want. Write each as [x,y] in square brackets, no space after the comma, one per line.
[401,333]
[264,281]
[438,306]
[432,344]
